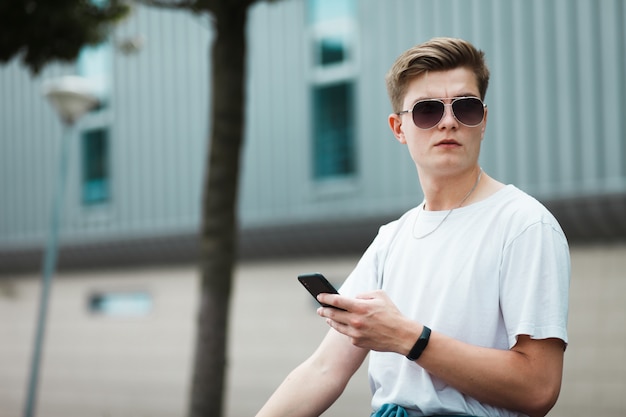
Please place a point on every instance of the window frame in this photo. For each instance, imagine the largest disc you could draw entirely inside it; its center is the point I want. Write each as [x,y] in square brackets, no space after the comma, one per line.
[323,75]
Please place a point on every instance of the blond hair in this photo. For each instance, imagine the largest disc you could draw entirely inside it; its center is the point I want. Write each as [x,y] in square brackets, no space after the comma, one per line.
[437,54]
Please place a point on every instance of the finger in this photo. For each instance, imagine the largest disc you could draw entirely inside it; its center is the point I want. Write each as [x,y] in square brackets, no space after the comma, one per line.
[339,327]
[347,331]
[331,313]
[333,300]
[336,318]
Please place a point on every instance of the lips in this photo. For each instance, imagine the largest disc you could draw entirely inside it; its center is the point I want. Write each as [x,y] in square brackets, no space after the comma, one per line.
[448,142]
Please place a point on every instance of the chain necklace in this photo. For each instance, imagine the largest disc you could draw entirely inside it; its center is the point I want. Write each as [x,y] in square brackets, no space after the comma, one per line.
[480,174]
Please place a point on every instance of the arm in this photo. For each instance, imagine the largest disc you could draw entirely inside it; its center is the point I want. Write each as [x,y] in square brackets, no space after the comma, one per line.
[316,383]
[526,378]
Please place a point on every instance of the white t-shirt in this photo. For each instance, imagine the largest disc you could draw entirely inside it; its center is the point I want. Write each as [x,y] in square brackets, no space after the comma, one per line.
[491,271]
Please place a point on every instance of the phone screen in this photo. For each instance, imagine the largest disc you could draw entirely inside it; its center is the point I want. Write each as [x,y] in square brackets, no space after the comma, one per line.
[316,283]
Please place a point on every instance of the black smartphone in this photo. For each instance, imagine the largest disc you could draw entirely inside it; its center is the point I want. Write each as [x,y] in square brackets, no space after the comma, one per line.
[316,283]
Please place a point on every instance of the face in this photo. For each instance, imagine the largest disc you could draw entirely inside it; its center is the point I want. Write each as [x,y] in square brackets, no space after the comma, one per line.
[449,147]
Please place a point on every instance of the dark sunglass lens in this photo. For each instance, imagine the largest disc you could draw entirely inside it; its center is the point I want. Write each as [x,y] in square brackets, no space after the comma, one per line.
[428,113]
[469,111]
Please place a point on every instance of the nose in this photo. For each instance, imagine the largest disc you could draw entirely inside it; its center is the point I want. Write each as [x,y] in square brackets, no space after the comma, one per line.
[448,120]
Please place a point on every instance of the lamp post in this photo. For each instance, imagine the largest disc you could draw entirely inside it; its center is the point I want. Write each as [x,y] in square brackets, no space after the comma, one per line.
[71,97]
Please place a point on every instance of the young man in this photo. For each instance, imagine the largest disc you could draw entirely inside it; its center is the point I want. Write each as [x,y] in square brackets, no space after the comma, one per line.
[462,302]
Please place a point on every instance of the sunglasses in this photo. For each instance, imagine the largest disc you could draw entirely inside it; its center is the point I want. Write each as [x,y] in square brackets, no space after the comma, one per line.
[469,111]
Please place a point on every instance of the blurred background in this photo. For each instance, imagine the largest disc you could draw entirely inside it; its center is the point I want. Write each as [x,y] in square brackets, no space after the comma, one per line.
[320,173]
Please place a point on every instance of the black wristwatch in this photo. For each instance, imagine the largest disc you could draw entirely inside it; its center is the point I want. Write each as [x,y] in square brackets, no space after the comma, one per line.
[420,345]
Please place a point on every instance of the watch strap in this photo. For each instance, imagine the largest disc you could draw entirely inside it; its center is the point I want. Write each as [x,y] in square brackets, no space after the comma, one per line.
[420,345]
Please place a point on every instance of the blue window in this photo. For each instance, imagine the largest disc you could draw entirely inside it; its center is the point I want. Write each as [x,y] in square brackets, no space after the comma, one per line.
[333,134]
[95,166]
[333,60]
[121,304]
[332,50]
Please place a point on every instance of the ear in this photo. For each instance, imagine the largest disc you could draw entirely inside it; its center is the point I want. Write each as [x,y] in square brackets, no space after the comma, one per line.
[395,124]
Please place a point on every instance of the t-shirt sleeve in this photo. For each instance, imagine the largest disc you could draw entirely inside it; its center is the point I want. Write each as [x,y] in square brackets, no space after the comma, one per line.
[534,283]
[366,276]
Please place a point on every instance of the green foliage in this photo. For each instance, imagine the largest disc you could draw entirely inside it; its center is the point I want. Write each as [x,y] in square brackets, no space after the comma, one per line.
[42,31]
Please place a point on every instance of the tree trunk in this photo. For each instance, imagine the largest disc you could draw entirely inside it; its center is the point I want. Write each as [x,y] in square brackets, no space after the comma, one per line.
[219,217]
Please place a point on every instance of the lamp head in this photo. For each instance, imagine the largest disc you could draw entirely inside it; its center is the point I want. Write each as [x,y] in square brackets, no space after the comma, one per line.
[71,96]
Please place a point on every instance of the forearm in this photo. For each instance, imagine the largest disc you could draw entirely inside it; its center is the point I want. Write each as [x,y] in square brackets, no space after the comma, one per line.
[317,383]
[307,391]
[512,379]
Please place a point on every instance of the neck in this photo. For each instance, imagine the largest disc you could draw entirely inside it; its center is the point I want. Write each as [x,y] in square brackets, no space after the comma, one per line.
[450,192]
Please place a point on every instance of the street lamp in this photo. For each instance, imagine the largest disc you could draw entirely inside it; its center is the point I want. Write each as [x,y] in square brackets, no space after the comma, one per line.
[71,97]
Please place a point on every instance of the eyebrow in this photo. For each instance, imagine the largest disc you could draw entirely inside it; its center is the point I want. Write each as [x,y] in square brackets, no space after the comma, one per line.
[441,98]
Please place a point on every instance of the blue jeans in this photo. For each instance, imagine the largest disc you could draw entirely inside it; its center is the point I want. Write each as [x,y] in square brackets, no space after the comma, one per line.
[394,410]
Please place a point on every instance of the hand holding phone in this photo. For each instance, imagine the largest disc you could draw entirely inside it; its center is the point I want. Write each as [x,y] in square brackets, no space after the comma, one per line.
[316,283]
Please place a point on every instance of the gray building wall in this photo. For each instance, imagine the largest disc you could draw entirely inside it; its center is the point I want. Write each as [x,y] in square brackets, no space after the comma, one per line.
[556,127]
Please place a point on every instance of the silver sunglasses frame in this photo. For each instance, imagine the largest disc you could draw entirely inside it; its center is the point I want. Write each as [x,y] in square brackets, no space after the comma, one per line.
[441,100]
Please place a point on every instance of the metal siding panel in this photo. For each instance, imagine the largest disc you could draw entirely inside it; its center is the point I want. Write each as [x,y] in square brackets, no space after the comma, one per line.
[567,87]
[486,38]
[153,140]
[590,134]
[276,143]
[168,106]
[276,180]
[32,134]
[30,213]
[259,88]
[504,123]
[612,93]
[369,107]
[543,96]
[138,111]
[8,132]
[621,46]
[160,107]
[521,149]
[294,110]
[387,175]
[462,24]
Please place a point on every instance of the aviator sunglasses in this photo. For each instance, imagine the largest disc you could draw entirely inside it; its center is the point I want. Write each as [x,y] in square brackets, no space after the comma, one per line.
[469,111]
